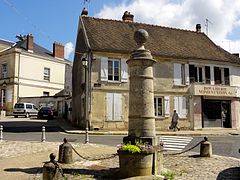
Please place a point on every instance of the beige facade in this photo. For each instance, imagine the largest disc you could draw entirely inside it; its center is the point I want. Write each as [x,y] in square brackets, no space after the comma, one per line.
[192,75]
[29,73]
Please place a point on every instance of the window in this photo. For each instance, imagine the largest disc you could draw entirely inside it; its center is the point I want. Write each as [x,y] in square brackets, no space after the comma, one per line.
[226,76]
[4,70]
[207,75]
[195,73]
[114,107]
[46,74]
[113,70]
[217,75]
[28,106]
[45,93]
[158,106]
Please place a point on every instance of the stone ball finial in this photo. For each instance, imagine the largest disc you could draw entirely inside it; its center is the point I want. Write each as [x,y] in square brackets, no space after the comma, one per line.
[141,36]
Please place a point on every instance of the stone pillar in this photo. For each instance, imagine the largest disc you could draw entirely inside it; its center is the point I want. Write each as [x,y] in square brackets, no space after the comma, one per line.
[141,94]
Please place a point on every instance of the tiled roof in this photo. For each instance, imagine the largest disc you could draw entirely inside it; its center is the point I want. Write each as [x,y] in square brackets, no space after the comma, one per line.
[117,36]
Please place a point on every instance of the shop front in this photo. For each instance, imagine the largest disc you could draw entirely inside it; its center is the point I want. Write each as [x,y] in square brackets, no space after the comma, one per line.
[214,107]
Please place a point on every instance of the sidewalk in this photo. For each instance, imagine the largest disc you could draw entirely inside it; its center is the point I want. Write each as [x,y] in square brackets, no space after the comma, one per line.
[204,132]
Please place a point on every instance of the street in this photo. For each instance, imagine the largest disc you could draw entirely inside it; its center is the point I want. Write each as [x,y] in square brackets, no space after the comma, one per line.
[25,129]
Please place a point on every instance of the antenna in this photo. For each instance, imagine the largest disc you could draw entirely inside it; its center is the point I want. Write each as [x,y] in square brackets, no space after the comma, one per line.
[206,24]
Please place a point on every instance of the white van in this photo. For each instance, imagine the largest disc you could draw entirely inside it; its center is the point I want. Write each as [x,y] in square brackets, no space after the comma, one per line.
[24,109]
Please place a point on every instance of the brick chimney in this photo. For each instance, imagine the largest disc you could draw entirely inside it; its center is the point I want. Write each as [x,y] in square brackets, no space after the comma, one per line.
[198,28]
[30,42]
[58,50]
[127,17]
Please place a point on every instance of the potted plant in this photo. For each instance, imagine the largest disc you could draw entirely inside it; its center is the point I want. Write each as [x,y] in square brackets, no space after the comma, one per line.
[135,159]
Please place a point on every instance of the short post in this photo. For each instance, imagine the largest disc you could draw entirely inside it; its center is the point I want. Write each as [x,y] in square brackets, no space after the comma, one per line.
[206,148]
[1,132]
[86,137]
[43,134]
[52,170]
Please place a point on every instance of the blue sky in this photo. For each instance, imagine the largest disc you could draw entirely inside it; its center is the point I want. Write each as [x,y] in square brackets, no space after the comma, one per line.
[57,20]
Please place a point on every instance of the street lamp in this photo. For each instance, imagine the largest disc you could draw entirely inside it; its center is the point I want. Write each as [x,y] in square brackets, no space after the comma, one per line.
[85,65]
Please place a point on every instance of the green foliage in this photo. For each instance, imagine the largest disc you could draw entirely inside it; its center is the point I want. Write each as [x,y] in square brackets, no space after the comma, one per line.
[131,148]
[168,174]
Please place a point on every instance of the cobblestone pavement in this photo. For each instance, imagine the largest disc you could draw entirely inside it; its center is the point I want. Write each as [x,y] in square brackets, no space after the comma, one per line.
[24,160]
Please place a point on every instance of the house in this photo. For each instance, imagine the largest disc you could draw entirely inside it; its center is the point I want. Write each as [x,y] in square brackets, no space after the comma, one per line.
[29,70]
[192,75]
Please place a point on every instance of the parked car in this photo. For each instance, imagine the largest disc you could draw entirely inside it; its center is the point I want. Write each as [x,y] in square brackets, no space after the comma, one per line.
[46,112]
[24,109]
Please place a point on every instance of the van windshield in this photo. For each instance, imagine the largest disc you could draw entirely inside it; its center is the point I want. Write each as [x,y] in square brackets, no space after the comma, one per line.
[19,106]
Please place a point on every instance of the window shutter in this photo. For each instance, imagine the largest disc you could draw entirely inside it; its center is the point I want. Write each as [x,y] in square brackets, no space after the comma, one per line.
[176,103]
[104,68]
[183,107]
[187,74]
[167,106]
[109,106]
[177,74]
[124,70]
[117,106]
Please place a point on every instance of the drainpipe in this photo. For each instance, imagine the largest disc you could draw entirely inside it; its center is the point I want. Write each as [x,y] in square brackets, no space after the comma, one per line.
[18,80]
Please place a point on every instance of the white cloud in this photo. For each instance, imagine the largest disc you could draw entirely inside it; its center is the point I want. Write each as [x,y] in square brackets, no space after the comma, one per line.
[68,49]
[224,15]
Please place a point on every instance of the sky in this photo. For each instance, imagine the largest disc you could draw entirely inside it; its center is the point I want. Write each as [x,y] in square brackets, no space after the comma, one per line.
[57,20]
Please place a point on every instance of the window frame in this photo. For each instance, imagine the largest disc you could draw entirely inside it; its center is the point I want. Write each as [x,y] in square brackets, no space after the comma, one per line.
[112,70]
[46,74]
[156,109]
[4,70]
[46,93]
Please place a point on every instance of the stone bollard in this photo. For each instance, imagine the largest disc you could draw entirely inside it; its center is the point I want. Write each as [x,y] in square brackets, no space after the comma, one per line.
[206,148]
[43,134]
[52,170]
[65,153]
[1,132]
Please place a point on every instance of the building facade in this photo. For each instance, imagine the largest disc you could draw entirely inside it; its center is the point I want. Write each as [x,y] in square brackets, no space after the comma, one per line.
[192,75]
[29,70]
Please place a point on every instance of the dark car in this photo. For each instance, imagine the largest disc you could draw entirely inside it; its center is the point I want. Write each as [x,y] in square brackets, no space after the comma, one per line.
[46,112]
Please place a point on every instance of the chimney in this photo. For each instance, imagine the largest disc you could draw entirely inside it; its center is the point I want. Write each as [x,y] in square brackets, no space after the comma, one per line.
[58,50]
[127,17]
[198,28]
[84,12]
[30,42]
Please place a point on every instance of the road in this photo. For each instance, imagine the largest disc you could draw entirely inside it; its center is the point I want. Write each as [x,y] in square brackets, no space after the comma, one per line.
[23,129]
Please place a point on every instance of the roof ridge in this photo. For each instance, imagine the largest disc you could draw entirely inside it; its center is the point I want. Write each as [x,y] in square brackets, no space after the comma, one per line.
[6,40]
[141,23]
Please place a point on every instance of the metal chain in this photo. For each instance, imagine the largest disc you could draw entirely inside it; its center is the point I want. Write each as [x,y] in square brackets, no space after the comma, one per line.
[189,149]
[94,159]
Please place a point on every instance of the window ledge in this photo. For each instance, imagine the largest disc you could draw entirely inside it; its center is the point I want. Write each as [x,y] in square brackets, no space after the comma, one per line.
[114,121]
[180,85]
[160,118]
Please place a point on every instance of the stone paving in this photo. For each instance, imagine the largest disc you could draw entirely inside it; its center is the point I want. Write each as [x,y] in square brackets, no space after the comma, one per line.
[24,160]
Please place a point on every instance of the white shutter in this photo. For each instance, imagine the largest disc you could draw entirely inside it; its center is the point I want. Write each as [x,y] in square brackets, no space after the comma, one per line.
[187,74]
[117,106]
[183,107]
[167,106]
[104,68]
[212,75]
[177,74]
[176,104]
[124,70]
[109,106]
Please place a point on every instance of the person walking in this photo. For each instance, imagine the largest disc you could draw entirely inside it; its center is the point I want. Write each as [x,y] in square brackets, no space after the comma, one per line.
[174,122]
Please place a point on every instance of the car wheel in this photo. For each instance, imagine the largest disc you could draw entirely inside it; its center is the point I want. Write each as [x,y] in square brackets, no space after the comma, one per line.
[27,115]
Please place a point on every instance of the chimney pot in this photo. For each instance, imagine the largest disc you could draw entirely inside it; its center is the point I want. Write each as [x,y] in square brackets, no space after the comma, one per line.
[127,17]
[198,27]
[58,50]
[30,42]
